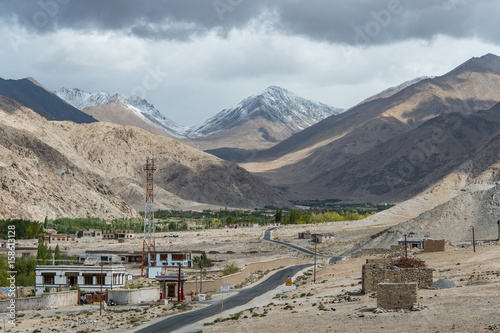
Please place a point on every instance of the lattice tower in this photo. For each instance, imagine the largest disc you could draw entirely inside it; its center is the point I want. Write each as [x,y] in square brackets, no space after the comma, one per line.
[148,244]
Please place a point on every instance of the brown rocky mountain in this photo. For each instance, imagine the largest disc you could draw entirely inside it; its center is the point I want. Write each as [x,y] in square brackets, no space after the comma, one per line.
[258,122]
[118,113]
[55,169]
[452,220]
[404,166]
[319,161]
[32,94]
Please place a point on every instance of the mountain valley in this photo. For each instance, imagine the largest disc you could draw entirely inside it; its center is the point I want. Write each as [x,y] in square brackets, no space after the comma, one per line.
[63,169]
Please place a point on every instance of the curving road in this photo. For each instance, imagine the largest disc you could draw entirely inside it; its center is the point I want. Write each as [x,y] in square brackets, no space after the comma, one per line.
[244,296]
[267,237]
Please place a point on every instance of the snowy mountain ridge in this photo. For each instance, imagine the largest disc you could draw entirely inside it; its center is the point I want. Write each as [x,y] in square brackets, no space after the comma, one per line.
[274,104]
[386,93]
[81,99]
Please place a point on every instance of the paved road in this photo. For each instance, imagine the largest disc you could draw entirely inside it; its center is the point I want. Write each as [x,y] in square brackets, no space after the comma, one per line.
[244,296]
[267,236]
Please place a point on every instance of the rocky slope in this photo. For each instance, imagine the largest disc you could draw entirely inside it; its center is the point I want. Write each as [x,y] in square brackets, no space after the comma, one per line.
[321,159]
[32,94]
[451,221]
[421,158]
[394,90]
[133,110]
[59,169]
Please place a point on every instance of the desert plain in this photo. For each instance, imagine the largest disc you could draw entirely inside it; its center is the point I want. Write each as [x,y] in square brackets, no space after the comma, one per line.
[324,305]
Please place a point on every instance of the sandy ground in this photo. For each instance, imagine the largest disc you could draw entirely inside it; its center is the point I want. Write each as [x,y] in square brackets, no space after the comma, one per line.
[470,307]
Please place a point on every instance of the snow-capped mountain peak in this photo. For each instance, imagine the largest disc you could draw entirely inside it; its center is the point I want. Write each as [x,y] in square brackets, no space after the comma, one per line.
[274,104]
[81,99]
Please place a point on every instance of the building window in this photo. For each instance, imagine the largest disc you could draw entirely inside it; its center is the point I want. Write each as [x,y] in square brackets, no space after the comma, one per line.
[72,280]
[88,279]
[178,257]
[99,279]
[48,279]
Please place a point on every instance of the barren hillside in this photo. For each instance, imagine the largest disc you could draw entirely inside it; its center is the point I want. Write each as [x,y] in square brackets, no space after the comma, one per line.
[475,207]
[65,169]
[118,113]
[319,161]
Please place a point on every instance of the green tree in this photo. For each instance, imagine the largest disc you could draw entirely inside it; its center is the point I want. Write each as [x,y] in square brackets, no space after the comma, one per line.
[26,271]
[279,216]
[44,254]
[57,255]
[197,261]
[4,267]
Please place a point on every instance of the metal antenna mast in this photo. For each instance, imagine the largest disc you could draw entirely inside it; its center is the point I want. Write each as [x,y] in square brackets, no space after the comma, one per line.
[148,244]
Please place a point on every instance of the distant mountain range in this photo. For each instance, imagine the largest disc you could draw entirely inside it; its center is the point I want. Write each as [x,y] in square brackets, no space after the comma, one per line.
[32,94]
[128,111]
[387,149]
[259,121]
[64,169]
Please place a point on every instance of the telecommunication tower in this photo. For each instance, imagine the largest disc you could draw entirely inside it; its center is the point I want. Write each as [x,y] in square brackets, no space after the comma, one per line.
[148,244]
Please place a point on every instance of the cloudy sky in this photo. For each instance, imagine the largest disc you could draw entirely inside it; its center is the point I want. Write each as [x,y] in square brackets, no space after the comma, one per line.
[193,58]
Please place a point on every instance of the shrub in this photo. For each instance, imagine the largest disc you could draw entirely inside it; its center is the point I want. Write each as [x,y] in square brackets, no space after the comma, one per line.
[404,262]
[230,269]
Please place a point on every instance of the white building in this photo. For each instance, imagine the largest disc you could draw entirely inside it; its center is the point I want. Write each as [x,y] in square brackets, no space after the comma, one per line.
[170,259]
[105,258]
[413,243]
[88,278]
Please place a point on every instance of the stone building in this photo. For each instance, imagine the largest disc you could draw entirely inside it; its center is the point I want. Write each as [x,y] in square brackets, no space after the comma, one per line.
[57,238]
[396,296]
[379,270]
[305,235]
[412,243]
[117,234]
[321,238]
[89,233]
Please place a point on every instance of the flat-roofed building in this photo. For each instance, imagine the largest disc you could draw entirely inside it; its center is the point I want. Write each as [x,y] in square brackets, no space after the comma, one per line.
[87,277]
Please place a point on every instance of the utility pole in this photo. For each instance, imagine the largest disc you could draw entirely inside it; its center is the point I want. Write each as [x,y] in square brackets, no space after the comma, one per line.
[201,271]
[473,240]
[102,278]
[498,222]
[315,248]
[179,285]
[406,247]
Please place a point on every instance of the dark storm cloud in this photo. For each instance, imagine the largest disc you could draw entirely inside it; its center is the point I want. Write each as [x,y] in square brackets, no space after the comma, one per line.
[384,21]
[354,22]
